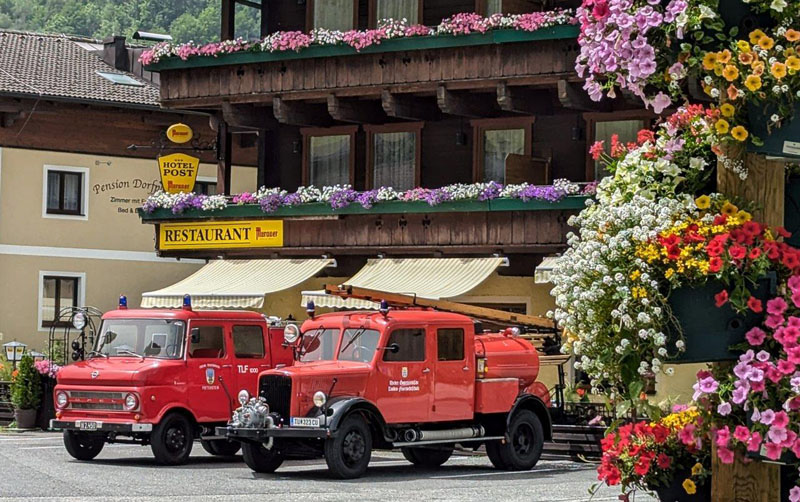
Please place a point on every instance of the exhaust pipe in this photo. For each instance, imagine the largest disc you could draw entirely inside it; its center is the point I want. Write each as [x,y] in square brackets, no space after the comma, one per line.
[412,435]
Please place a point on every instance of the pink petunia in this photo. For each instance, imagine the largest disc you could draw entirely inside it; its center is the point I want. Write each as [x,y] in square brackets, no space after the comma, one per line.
[725,455]
[794,283]
[794,322]
[777,435]
[755,336]
[723,437]
[794,494]
[741,433]
[786,367]
[776,306]
[686,435]
[754,443]
[724,409]
[774,321]
[767,416]
[796,448]
[781,419]
[774,451]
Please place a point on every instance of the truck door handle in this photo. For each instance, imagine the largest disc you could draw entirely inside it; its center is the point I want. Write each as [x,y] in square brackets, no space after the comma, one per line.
[227,366]
[426,370]
[465,368]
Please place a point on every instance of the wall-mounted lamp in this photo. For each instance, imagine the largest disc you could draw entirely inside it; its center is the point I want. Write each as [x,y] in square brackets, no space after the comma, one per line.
[296,146]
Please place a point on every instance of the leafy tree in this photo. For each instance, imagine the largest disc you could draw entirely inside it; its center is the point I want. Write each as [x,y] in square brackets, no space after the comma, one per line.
[26,387]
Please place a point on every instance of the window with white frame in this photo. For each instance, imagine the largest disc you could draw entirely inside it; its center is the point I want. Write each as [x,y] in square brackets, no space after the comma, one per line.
[65,192]
[58,291]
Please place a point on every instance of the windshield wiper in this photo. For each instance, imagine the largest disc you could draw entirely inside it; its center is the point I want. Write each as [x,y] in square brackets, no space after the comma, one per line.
[319,332]
[126,351]
[96,353]
[353,339]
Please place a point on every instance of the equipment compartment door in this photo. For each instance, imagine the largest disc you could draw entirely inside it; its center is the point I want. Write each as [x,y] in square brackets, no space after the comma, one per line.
[453,376]
[403,380]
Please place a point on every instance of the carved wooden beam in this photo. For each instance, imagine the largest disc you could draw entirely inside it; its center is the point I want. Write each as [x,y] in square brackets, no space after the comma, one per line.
[464,104]
[300,113]
[409,107]
[524,100]
[357,111]
[248,116]
[572,96]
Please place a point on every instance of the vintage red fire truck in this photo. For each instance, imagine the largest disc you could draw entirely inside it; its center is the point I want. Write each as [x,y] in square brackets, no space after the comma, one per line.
[418,379]
[164,377]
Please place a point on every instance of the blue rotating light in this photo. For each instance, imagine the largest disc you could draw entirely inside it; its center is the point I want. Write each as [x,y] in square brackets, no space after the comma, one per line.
[123,302]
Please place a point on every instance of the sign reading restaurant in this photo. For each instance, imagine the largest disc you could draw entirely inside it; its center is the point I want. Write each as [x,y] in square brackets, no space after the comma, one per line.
[220,235]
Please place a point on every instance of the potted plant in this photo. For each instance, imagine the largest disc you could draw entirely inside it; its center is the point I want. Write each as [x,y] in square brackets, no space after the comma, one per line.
[48,371]
[26,393]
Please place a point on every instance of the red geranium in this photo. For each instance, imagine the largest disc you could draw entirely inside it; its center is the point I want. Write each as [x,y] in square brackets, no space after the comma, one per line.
[737,252]
[663,461]
[755,305]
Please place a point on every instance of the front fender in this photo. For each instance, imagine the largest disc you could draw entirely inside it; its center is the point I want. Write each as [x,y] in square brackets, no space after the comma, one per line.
[338,408]
[536,405]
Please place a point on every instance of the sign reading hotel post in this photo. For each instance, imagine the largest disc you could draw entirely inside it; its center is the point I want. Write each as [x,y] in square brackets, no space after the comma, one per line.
[220,235]
[178,172]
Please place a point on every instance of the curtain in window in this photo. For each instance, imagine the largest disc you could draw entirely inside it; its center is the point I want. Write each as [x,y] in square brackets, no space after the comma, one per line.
[496,145]
[334,14]
[329,160]
[494,7]
[68,295]
[395,160]
[72,191]
[53,189]
[49,300]
[398,9]
[626,129]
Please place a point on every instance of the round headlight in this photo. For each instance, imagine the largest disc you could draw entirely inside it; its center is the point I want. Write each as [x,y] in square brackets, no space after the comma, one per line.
[62,399]
[320,399]
[131,402]
[291,333]
[79,321]
[244,396]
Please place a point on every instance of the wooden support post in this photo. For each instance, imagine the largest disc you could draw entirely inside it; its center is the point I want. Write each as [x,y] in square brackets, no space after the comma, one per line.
[269,172]
[464,104]
[300,113]
[409,107]
[224,147]
[522,100]
[228,20]
[248,116]
[264,18]
[740,482]
[355,110]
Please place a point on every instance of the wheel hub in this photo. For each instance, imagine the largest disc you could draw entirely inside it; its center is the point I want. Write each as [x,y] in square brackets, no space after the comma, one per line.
[353,447]
[523,439]
[176,438]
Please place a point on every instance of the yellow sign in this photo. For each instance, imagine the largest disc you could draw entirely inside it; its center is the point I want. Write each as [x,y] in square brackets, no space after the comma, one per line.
[179,133]
[178,172]
[220,235]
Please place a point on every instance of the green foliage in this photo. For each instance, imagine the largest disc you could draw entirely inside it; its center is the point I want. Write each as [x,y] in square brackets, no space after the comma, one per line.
[185,20]
[56,353]
[5,369]
[26,388]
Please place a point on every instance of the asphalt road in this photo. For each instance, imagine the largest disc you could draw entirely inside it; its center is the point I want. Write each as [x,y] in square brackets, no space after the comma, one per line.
[35,466]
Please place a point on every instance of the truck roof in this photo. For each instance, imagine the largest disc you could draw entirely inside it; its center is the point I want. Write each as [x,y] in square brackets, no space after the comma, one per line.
[182,314]
[411,315]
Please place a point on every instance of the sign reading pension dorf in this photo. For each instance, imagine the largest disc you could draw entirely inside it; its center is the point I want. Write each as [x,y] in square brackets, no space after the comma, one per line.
[178,172]
[220,234]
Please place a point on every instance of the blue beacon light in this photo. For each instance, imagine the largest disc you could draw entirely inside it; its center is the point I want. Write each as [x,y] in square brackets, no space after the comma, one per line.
[310,309]
[123,302]
[187,302]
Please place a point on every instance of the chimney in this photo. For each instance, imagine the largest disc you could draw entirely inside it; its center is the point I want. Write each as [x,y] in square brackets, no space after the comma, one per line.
[115,54]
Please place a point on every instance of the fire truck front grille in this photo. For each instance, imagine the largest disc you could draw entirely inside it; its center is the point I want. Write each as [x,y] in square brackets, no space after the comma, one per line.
[277,390]
[95,400]
[97,406]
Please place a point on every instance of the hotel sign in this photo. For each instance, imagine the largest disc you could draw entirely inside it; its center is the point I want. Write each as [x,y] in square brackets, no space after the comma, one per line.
[178,172]
[220,235]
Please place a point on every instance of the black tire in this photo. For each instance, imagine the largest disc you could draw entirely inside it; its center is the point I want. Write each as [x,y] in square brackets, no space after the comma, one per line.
[172,439]
[83,446]
[260,459]
[522,451]
[220,447]
[427,457]
[347,454]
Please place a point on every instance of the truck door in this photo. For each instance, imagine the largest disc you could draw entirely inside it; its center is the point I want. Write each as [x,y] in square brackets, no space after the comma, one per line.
[250,356]
[404,377]
[453,376]
[207,361]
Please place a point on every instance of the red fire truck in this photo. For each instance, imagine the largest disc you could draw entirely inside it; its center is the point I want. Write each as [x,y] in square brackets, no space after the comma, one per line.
[164,377]
[420,379]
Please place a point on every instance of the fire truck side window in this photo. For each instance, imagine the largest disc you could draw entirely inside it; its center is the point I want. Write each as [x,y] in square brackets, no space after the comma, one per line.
[411,343]
[211,343]
[450,344]
[248,342]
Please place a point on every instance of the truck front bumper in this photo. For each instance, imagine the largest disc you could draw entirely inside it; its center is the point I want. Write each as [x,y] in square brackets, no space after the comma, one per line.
[100,426]
[247,434]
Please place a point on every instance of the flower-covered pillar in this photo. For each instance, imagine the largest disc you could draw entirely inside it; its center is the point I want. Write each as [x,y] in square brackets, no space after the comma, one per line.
[764,185]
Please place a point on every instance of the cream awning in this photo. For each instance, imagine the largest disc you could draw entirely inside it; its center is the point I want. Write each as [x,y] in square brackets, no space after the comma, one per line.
[544,271]
[433,278]
[238,284]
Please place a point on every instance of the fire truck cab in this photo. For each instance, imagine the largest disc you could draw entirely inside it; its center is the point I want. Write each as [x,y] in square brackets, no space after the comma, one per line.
[416,379]
[164,377]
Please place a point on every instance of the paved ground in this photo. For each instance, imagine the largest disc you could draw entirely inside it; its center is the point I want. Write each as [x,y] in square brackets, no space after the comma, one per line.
[36,466]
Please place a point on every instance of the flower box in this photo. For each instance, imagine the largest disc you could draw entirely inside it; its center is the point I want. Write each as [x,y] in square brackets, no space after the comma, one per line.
[780,141]
[791,215]
[709,331]
[674,492]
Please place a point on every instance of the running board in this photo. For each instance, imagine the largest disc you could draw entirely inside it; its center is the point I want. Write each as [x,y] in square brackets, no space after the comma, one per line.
[443,441]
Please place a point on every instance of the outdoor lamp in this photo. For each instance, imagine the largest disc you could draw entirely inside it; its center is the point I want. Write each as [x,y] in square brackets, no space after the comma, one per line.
[37,356]
[14,351]
[79,320]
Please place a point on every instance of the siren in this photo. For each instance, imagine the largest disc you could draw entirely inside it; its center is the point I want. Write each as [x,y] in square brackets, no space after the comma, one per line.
[310,309]
[123,302]
[384,309]
[187,302]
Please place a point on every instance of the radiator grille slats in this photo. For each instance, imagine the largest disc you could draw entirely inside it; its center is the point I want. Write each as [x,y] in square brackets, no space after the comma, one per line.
[277,391]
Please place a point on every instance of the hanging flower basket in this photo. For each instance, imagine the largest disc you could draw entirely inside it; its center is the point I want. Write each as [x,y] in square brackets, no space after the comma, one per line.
[709,331]
[675,491]
[783,141]
[791,215]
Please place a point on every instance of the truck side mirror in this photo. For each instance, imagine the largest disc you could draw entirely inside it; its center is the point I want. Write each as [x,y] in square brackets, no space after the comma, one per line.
[394,348]
[195,335]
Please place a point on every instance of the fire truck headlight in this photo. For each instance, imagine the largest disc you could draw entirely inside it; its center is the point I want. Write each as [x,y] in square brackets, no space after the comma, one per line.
[62,399]
[291,333]
[244,396]
[131,402]
[320,399]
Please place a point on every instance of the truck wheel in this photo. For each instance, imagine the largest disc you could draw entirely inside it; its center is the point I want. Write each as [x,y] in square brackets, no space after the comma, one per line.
[526,440]
[260,459]
[427,457]
[83,446]
[220,447]
[172,440]
[348,453]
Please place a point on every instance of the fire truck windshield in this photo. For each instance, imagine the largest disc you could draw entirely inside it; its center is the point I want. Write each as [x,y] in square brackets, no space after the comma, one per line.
[161,338]
[357,344]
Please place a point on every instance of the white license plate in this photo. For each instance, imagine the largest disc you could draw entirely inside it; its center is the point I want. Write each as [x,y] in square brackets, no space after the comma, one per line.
[304,422]
[89,426]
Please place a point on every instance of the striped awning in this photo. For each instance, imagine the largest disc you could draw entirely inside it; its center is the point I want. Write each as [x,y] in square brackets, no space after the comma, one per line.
[544,271]
[235,284]
[433,278]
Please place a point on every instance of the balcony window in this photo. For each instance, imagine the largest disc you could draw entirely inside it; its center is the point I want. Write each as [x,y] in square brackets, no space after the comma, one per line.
[339,15]
[205,187]
[58,291]
[602,126]
[394,156]
[329,156]
[410,10]
[496,139]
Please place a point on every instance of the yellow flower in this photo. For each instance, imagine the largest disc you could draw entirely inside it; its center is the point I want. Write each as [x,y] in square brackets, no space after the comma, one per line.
[756,35]
[703,202]
[724,56]
[743,217]
[722,126]
[709,60]
[766,43]
[689,486]
[778,70]
[729,209]
[793,62]
[730,73]
[753,82]
[635,275]
[727,110]
[792,35]
[743,46]
[697,469]
[669,273]
[739,133]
